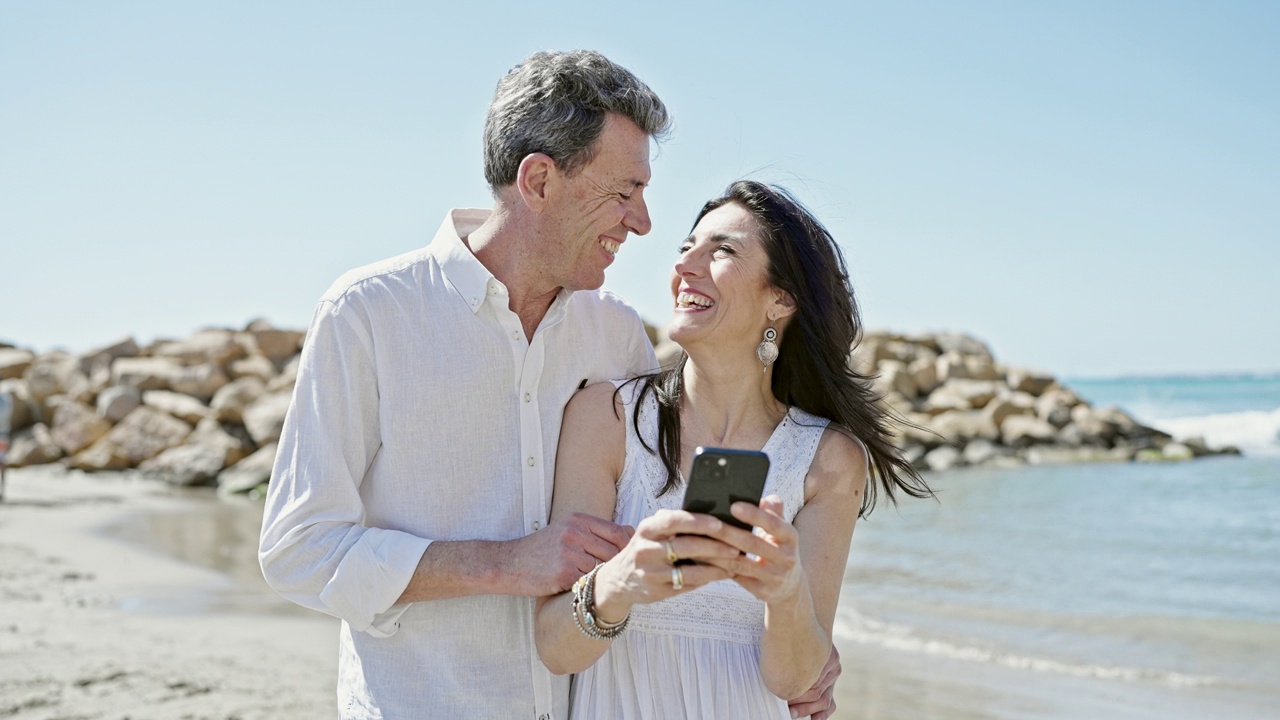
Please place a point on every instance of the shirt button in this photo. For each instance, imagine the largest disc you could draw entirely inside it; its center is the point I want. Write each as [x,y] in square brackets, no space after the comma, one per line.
[537,526]
[527,397]
[544,717]
[475,300]
[515,335]
[530,461]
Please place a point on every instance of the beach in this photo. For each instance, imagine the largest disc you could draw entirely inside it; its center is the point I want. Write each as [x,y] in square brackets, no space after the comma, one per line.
[1107,590]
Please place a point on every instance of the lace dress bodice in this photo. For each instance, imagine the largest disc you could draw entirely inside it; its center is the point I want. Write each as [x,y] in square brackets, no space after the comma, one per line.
[695,655]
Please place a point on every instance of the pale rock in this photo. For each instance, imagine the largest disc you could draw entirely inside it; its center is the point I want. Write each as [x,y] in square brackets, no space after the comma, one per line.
[1023,430]
[186,465]
[249,473]
[264,418]
[962,344]
[287,378]
[145,373]
[206,346]
[1005,406]
[1177,451]
[960,426]
[117,401]
[1028,381]
[14,363]
[253,366]
[898,403]
[57,374]
[962,394]
[184,407]
[76,426]
[924,373]
[33,446]
[914,427]
[233,440]
[894,378]
[943,457]
[979,451]
[231,399]
[145,433]
[914,454]
[200,381]
[104,356]
[276,345]
[1054,406]
[1092,424]
[24,412]
[1071,435]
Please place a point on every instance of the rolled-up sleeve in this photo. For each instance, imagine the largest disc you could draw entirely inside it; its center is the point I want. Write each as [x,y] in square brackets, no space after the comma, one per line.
[314,549]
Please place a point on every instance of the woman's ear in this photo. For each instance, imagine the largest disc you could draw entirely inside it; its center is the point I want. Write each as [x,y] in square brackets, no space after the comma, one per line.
[783,305]
[532,178]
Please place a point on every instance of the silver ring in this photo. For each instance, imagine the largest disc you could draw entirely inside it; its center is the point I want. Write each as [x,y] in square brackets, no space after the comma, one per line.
[672,557]
[677,578]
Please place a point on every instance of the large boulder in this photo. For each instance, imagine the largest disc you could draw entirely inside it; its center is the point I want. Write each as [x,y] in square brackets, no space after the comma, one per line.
[973,367]
[219,347]
[187,465]
[249,473]
[104,356]
[230,401]
[118,401]
[233,440]
[961,426]
[145,373]
[57,374]
[961,394]
[33,446]
[199,381]
[264,418]
[942,458]
[184,407]
[894,377]
[276,345]
[1054,406]
[76,426]
[145,433]
[253,366]
[1024,430]
[1006,405]
[1028,381]
[980,451]
[287,378]
[14,362]
[962,344]
[924,373]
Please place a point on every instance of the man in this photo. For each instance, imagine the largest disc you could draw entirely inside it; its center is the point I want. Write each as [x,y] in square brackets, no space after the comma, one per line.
[413,479]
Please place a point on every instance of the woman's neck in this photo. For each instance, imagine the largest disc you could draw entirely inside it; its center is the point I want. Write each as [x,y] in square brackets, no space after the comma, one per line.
[728,401]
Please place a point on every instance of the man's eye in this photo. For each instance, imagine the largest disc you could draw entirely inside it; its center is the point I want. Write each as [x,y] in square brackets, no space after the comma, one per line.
[625,196]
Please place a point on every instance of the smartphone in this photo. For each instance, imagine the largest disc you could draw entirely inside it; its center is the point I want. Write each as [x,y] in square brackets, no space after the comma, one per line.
[721,477]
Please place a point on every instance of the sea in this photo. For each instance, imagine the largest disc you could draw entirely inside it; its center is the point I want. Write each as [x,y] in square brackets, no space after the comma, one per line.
[1116,590]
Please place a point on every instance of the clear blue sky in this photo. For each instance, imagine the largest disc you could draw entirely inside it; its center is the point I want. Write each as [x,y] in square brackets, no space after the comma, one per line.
[1092,187]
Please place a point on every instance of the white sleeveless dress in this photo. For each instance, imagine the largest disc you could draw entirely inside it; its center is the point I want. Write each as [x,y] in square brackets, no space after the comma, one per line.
[696,655]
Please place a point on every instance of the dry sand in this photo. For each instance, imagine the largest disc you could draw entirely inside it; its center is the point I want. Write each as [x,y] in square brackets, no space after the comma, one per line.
[92,626]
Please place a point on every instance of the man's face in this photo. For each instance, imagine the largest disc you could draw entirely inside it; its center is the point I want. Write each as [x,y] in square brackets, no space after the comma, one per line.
[593,212]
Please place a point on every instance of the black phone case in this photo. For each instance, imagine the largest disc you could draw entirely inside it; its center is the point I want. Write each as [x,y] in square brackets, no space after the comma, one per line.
[720,477]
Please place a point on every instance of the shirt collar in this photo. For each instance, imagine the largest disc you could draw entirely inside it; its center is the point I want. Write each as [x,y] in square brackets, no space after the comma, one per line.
[470,279]
[468,276]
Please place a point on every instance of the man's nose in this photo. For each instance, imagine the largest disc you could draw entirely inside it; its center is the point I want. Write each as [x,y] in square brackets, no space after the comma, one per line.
[637,218]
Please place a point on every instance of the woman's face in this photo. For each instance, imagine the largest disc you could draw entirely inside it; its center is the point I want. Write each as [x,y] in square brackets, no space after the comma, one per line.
[719,284]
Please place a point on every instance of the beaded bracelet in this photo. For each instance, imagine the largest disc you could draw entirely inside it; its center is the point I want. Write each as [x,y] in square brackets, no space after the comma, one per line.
[584,610]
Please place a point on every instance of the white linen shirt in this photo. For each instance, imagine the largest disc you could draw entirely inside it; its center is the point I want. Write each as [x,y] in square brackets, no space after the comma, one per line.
[422,413]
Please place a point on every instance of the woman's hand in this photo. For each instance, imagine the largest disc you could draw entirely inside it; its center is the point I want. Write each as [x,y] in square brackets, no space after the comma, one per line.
[771,570]
[644,572]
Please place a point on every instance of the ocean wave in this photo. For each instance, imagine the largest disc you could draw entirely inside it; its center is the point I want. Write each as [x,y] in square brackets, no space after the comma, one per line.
[1256,430]
[860,629]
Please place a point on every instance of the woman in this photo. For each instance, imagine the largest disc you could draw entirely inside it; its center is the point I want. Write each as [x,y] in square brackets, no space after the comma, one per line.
[766,317]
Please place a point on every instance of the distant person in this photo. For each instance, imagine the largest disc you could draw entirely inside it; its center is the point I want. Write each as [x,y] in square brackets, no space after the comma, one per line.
[413,483]
[766,316]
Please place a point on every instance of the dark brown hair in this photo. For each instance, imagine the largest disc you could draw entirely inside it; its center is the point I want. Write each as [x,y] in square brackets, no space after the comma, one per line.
[812,371]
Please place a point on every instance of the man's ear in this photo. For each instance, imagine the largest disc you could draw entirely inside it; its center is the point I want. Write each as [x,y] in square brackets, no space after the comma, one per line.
[532,179]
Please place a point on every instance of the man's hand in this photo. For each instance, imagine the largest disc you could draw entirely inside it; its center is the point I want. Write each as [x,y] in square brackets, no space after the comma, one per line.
[551,559]
[819,702]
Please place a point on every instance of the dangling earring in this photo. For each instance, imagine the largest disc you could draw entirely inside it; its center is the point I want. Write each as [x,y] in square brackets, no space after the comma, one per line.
[767,351]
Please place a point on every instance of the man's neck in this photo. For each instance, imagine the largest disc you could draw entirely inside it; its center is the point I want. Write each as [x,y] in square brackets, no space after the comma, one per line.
[508,248]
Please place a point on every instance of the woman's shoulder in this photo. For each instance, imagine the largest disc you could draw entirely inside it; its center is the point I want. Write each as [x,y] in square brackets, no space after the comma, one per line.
[600,402]
[840,464]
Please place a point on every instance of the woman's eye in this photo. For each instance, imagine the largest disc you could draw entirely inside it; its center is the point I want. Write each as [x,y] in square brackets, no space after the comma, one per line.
[684,249]
[725,249]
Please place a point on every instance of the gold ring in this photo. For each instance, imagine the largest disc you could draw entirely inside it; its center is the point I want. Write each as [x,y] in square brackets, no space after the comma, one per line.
[677,578]
[672,557]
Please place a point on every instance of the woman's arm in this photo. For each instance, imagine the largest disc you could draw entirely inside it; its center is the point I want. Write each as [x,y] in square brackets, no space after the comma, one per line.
[800,566]
[588,464]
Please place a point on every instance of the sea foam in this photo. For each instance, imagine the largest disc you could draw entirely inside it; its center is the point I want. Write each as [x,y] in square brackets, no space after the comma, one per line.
[1253,430]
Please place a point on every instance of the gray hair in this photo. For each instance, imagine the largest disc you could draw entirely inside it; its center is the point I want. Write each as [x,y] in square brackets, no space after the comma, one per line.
[556,103]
